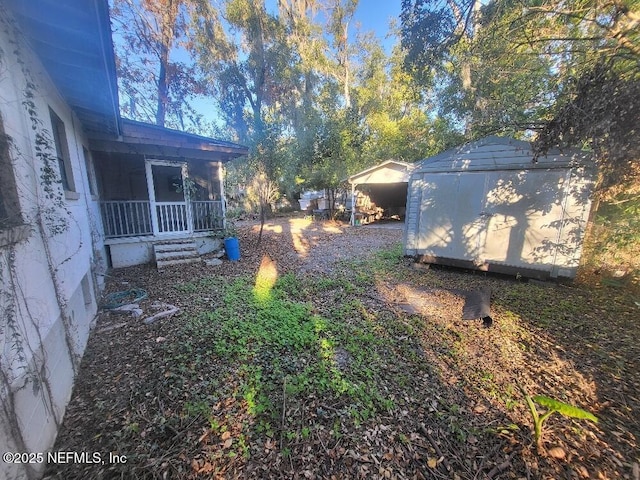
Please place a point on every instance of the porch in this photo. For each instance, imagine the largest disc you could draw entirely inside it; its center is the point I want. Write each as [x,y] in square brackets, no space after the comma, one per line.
[158,197]
[156,185]
[139,218]
[147,201]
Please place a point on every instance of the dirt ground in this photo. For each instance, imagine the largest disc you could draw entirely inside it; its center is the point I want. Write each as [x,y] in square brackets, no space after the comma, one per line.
[452,404]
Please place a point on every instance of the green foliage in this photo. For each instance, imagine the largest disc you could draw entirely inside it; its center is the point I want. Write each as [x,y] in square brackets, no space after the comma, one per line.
[269,332]
[230,229]
[562,408]
[613,242]
[552,406]
[514,67]
[620,223]
[601,109]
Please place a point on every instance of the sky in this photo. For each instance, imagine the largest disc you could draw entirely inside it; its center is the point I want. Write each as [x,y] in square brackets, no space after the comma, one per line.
[375,15]
[371,14]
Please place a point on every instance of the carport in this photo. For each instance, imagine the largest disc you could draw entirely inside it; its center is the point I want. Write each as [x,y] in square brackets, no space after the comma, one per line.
[380,192]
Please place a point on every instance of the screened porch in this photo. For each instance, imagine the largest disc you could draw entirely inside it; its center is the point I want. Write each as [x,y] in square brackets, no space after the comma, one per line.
[155,197]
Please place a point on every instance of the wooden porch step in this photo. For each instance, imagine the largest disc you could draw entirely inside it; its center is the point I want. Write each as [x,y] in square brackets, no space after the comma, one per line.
[175,252]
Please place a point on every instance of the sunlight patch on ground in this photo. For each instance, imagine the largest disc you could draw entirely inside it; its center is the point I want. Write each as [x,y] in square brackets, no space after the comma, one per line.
[331,227]
[435,303]
[271,228]
[277,229]
[300,244]
[297,225]
[265,279]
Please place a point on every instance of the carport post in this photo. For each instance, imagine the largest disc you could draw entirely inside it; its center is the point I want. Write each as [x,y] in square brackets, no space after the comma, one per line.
[353,204]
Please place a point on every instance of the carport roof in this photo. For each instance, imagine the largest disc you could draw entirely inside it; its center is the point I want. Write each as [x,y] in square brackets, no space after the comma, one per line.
[389,171]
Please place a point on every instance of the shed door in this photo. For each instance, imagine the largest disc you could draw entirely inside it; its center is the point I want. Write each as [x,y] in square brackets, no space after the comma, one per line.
[437,229]
[519,214]
[469,196]
[449,224]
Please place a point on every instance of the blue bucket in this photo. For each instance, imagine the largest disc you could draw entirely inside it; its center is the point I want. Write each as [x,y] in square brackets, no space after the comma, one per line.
[232,247]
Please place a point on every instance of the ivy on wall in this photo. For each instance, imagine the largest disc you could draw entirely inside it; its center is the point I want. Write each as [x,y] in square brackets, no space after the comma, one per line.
[46,216]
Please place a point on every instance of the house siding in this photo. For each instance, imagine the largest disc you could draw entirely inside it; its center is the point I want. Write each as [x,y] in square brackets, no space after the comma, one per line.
[40,342]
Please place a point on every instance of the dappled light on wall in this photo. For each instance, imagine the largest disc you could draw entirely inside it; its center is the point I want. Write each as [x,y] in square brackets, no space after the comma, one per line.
[503,213]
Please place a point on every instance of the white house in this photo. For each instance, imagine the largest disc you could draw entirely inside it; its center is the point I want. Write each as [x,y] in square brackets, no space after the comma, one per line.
[80,189]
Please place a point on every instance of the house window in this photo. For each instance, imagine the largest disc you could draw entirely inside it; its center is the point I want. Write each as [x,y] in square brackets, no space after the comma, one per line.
[62,152]
[91,173]
[9,204]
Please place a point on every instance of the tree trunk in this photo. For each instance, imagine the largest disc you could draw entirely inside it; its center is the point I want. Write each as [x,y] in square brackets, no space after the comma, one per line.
[262,220]
[347,79]
[163,88]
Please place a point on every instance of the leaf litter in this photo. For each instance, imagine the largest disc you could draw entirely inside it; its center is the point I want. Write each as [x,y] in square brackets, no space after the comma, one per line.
[306,365]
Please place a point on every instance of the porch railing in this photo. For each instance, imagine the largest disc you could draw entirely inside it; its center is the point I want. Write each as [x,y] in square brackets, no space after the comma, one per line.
[172,217]
[206,216]
[126,218]
[131,218]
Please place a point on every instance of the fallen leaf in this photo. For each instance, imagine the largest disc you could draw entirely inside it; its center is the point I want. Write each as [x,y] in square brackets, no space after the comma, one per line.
[228,443]
[432,462]
[583,472]
[226,435]
[557,452]
[206,468]
[479,408]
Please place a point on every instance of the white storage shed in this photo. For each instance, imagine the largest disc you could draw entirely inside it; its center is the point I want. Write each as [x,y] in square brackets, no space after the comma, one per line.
[489,205]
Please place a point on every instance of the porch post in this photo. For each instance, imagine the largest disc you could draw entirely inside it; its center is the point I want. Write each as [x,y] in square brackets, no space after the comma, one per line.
[152,196]
[186,192]
[223,196]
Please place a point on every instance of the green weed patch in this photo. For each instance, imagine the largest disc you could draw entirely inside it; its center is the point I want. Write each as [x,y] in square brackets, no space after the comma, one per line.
[276,344]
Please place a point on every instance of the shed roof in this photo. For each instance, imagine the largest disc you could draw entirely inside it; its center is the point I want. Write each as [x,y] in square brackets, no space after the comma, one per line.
[498,153]
[389,171]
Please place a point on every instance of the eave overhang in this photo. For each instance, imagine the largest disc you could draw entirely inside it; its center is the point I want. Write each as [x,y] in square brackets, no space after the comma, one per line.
[160,142]
[72,39]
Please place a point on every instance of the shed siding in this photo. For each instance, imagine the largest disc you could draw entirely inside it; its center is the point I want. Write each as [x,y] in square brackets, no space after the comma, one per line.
[412,220]
[489,204]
